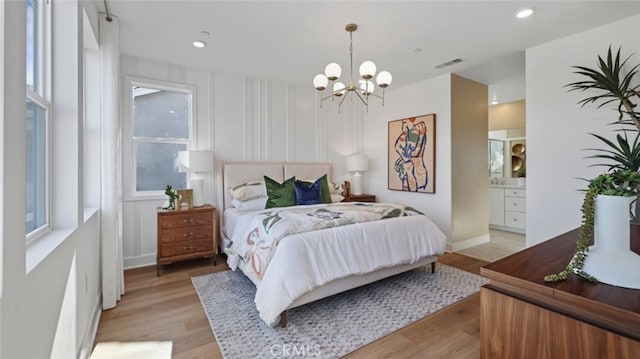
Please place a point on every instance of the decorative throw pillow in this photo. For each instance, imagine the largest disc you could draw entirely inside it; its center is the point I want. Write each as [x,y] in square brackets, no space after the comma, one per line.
[280,194]
[307,193]
[250,205]
[248,190]
[324,184]
[336,198]
[335,188]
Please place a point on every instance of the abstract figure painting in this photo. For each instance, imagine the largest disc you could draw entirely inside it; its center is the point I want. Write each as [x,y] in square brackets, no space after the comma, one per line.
[411,152]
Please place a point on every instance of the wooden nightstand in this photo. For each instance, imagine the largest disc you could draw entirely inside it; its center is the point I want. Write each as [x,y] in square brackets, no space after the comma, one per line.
[186,234]
[361,198]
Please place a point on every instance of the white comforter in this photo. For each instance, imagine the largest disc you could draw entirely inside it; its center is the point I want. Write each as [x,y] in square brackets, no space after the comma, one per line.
[305,261]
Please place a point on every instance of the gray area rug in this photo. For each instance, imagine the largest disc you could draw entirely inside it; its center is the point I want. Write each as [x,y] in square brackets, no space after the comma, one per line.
[331,327]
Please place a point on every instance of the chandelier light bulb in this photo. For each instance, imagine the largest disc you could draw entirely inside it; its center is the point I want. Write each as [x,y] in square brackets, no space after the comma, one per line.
[320,82]
[338,89]
[366,87]
[384,79]
[332,71]
[367,70]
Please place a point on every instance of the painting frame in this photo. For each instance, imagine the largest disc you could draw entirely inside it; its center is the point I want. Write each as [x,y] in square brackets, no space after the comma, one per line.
[185,199]
[411,154]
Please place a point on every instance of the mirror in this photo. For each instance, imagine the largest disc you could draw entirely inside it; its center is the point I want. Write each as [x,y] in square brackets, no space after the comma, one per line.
[507,153]
[496,158]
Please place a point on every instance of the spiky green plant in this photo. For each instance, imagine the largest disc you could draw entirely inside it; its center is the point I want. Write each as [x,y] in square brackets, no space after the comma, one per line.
[613,84]
[622,154]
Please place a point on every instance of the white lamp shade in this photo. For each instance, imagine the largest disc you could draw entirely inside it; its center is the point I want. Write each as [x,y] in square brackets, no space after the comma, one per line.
[357,163]
[384,78]
[338,89]
[195,161]
[367,87]
[333,71]
[367,69]
[320,82]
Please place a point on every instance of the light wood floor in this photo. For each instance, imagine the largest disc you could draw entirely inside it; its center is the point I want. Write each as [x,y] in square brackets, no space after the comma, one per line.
[167,308]
[500,245]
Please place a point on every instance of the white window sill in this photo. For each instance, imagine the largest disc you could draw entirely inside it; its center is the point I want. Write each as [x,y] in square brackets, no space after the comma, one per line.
[40,248]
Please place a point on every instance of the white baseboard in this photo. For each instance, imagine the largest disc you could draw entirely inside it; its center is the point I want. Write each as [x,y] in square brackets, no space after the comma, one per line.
[141,261]
[90,334]
[471,242]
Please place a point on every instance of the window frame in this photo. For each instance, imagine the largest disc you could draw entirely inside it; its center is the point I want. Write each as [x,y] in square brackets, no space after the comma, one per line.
[129,151]
[41,96]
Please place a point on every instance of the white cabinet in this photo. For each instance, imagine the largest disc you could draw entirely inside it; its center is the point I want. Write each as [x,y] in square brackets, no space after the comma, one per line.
[507,209]
[496,207]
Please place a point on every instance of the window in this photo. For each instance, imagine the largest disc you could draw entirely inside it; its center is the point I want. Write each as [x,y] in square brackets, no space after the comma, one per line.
[37,124]
[161,127]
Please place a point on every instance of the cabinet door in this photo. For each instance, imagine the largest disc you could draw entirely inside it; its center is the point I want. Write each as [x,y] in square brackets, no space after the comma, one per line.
[496,206]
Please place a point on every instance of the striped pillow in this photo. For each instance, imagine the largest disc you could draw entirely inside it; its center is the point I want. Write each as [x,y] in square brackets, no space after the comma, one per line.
[249,190]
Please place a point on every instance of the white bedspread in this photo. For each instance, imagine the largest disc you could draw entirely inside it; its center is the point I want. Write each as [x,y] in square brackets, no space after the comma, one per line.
[305,261]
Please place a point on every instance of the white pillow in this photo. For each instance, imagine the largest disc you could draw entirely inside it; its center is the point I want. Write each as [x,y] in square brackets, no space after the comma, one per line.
[250,205]
[336,198]
[335,188]
[248,190]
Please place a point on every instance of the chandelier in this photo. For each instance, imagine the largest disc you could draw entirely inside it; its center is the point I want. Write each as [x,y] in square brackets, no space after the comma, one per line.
[366,87]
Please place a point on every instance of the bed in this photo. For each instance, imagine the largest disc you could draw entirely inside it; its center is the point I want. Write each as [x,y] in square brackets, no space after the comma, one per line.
[308,266]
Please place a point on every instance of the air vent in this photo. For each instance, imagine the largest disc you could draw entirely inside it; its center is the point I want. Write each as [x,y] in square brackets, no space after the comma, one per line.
[448,63]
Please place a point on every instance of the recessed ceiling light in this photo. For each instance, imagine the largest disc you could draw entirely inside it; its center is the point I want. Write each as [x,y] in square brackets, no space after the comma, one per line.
[524,13]
[199,44]
[494,102]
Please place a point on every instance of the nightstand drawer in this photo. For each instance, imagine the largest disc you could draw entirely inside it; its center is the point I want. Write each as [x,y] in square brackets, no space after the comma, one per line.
[176,249]
[186,234]
[186,220]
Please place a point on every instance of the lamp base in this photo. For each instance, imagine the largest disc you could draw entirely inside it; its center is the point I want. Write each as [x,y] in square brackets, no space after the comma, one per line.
[197,185]
[356,184]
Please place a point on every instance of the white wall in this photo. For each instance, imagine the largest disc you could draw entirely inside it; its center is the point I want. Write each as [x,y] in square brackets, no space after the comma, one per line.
[239,119]
[33,319]
[557,127]
[422,98]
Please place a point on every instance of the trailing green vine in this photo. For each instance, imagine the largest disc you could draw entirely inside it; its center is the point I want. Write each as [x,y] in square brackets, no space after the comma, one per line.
[616,183]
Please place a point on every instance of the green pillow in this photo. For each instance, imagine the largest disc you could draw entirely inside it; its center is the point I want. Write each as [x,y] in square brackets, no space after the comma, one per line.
[280,195]
[324,185]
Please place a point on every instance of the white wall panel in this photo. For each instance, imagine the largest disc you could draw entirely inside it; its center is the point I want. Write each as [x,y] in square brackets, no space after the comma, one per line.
[239,119]
[557,127]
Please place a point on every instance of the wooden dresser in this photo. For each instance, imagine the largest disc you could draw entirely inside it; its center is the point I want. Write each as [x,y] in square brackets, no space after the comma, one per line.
[521,316]
[186,234]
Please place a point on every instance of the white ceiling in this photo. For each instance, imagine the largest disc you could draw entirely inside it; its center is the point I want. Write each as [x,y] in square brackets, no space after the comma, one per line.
[291,41]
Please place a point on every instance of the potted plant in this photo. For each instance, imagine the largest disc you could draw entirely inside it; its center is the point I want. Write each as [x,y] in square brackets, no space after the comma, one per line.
[603,248]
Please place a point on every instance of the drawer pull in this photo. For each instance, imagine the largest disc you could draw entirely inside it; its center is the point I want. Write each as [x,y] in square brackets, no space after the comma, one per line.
[188,220]
[188,234]
[188,248]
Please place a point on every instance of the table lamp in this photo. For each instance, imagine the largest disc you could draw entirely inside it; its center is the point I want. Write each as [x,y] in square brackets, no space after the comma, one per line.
[357,163]
[195,163]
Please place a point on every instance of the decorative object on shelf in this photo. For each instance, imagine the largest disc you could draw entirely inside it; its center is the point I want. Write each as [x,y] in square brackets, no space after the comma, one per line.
[518,149]
[603,247]
[366,87]
[357,163]
[173,196]
[412,154]
[185,198]
[346,189]
[195,163]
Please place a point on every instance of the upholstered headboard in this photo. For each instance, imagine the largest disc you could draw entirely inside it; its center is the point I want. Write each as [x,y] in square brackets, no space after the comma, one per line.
[233,173]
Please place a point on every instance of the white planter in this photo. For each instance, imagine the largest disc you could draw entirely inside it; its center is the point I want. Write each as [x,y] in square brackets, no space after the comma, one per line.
[610,259]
